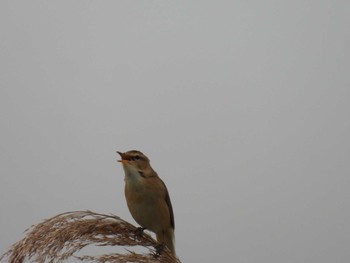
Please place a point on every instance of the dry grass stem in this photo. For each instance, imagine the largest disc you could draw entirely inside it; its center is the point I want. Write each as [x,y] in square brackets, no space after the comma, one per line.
[61,237]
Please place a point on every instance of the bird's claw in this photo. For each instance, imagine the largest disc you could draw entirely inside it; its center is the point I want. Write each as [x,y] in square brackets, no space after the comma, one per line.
[159,249]
[139,231]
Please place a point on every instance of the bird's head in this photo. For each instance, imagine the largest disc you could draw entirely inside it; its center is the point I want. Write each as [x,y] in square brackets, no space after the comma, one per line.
[134,160]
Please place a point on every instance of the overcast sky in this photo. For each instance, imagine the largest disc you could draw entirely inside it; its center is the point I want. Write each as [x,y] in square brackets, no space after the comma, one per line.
[242,106]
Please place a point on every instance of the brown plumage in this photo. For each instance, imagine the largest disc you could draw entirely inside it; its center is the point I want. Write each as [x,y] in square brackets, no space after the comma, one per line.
[147,197]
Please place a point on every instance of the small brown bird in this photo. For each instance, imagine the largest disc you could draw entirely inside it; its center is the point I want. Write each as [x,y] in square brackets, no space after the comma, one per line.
[147,197]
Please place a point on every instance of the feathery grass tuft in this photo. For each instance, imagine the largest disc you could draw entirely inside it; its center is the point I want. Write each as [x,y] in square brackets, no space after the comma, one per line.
[61,237]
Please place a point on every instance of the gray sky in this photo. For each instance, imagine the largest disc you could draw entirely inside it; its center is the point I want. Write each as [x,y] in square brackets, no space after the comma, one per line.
[242,107]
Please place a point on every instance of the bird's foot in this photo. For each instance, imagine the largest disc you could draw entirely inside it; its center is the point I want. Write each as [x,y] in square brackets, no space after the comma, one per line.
[138,232]
[159,249]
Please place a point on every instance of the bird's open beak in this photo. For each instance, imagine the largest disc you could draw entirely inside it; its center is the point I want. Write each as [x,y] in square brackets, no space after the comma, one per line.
[122,160]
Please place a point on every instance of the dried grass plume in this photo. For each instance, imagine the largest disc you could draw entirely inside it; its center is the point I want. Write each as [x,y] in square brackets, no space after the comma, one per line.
[61,237]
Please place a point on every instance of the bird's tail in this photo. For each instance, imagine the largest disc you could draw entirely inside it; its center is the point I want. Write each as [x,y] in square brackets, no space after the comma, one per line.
[167,238]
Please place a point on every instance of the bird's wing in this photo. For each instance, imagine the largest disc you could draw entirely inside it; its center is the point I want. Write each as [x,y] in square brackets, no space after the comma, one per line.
[170,207]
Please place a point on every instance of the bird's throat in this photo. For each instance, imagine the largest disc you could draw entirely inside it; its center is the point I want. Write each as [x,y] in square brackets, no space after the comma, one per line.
[133,177]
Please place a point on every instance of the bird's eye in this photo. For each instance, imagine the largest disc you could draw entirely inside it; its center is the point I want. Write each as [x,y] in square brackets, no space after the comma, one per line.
[136,158]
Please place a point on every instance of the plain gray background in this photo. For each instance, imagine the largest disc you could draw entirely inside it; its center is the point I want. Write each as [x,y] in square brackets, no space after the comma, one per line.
[242,107]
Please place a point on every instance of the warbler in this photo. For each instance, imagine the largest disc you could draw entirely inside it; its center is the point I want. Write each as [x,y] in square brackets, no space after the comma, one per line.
[148,198]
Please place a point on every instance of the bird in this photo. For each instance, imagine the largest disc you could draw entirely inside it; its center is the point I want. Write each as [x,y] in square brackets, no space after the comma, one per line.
[147,198]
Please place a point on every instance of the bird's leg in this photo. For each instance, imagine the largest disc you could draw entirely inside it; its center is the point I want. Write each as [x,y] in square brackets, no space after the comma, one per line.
[139,231]
[159,249]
